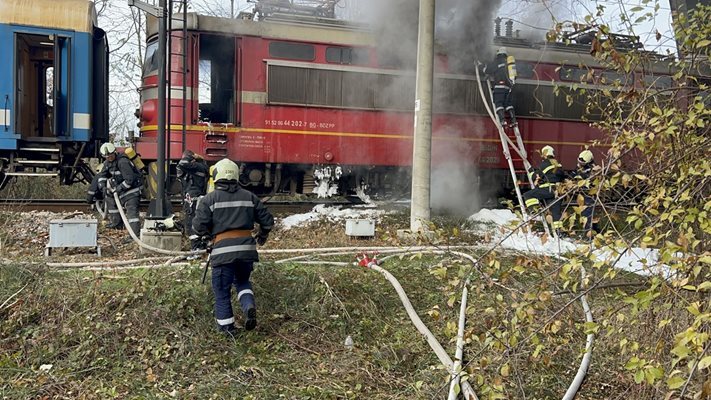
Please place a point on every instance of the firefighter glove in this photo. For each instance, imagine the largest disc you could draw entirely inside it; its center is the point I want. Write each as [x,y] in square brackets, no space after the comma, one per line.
[262,237]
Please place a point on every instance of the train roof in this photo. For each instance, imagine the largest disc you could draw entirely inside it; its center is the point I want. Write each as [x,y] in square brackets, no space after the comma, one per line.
[317,30]
[73,15]
[339,32]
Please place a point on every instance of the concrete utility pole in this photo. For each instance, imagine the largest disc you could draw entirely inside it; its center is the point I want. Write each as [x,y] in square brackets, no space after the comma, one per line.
[422,140]
[162,40]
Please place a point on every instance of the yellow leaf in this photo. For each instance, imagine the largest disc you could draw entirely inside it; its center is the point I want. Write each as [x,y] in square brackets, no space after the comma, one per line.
[505,370]
[705,362]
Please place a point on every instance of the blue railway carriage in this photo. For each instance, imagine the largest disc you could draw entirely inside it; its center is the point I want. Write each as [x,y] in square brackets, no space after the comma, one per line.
[53,89]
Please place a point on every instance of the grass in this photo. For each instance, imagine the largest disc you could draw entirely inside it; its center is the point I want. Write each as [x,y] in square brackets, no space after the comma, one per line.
[42,187]
[150,333]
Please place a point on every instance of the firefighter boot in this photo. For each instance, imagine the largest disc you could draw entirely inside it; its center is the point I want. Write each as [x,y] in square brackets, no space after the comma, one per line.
[246,301]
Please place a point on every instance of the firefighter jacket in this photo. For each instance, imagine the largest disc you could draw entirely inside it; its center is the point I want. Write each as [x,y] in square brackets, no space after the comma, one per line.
[228,215]
[123,176]
[193,176]
[583,172]
[503,71]
[549,173]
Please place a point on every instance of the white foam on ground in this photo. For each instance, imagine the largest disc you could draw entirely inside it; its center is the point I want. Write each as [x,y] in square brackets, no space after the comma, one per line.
[636,260]
[321,211]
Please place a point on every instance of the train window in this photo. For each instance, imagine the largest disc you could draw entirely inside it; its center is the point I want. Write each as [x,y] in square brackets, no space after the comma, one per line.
[525,70]
[205,82]
[48,86]
[574,74]
[658,82]
[151,62]
[216,75]
[293,51]
[541,101]
[612,77]
[347,55]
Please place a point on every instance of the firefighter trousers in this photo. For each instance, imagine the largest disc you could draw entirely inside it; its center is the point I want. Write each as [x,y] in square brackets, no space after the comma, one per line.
[189,213]
[535,197]
[130,206]
[588,212]
[113,213]
[503,101]
[223,277]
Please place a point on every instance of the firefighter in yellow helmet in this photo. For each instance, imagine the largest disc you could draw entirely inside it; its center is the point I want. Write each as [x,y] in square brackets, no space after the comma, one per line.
[227,215]
[586,163]
[546,178]
[503,72]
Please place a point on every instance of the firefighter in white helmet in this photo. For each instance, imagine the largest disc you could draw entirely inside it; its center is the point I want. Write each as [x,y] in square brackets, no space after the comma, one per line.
[227,215]
[546,178]
[586,164]
[503,72]
[122,177]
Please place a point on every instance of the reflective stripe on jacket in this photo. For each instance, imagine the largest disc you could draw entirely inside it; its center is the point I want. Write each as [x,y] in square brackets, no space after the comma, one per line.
[227,208]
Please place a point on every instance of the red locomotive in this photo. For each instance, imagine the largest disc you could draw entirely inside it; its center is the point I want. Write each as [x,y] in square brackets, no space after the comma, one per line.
[288,98]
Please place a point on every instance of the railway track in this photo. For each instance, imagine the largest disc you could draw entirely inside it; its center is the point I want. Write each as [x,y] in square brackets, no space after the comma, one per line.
[69,205]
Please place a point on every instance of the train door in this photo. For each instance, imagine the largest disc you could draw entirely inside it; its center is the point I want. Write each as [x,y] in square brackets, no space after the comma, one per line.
[41,85]
[216,76]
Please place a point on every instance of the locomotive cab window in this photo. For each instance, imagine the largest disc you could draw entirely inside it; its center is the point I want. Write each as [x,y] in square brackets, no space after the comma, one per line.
[216,75]
[41,85]
[150,64]
[525,70]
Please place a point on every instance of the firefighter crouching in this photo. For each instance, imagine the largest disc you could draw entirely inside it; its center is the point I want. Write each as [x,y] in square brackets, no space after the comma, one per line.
[546,178]
[192,173]
[503,71]
[586,163]
[227,215]
[122,177]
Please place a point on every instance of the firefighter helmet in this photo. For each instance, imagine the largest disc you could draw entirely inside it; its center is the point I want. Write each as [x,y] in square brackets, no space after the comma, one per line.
[106,149]
[501,50]
[548,151]
[225,170]
[585,157]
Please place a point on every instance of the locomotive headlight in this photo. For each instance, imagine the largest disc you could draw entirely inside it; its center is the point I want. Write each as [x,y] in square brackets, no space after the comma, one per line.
[328,156]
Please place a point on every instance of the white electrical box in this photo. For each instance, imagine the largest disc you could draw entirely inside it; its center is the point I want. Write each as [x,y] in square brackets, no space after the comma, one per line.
[360,227]
[72,233]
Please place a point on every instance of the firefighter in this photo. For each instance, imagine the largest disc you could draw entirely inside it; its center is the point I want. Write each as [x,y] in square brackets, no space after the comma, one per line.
[192,173]
[586,163]
[124,179]
[549,174]
[503,71]
[227,215]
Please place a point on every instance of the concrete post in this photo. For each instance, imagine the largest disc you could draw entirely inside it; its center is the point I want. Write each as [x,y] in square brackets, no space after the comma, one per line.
[162,39]
[422,140]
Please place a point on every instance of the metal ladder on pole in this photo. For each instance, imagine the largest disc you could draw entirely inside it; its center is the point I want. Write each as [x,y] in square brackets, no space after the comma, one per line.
[177,7]
[506,145]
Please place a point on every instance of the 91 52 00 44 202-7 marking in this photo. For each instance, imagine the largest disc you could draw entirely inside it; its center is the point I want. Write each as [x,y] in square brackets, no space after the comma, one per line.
[292,123]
